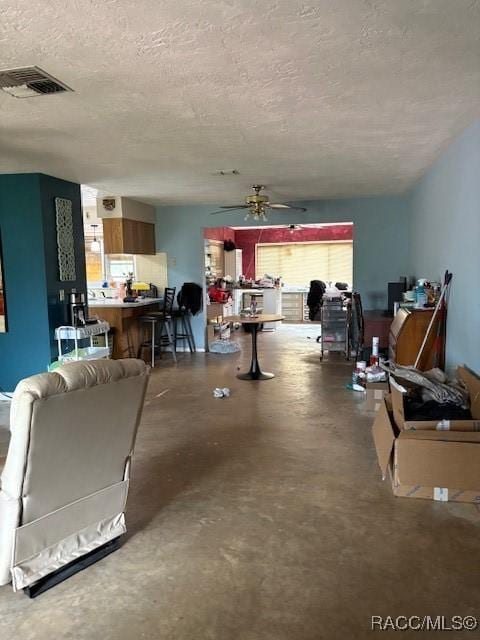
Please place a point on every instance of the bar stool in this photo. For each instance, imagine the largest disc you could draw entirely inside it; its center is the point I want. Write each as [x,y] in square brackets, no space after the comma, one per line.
[155,324]
[182,316]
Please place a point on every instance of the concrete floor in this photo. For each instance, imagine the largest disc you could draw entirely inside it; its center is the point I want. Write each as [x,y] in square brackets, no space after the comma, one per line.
[261,517]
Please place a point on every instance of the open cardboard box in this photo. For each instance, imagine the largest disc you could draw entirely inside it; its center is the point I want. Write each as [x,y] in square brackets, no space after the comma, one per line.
[375,393]
[440,465]
[473,385]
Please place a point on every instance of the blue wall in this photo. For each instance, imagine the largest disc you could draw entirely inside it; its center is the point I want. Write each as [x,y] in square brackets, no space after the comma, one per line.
[380,246]
[445,234]
[27,226]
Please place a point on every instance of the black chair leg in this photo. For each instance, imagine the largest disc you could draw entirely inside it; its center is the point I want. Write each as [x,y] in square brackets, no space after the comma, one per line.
[186,334]
[190,333]
[171,341]
[175,332]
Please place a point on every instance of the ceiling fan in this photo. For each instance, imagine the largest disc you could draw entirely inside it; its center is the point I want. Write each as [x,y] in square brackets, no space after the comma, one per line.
[257,205]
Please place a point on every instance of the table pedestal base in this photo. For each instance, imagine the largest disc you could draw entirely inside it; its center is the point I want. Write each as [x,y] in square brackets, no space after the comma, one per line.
[255,372]
[259,375]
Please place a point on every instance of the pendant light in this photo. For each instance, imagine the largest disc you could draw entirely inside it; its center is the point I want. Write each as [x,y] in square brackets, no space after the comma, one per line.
[95,244]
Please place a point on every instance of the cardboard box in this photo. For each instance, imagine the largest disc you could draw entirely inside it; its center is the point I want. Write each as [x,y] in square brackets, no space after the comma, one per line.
[439,465]
[375,393]
[398,406]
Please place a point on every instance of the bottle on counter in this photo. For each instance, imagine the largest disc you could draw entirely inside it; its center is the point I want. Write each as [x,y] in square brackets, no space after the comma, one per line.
[374,356]
[121,291]
[420,296]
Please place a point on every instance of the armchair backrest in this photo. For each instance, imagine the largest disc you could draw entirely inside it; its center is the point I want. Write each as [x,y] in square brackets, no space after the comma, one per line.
[72,435]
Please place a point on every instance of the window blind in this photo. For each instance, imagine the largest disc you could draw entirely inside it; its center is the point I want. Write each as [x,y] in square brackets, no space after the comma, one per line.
[298,263]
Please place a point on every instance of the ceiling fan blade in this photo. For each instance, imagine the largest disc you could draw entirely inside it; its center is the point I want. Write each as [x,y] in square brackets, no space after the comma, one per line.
[297,208]
[285,206]
[229,210]
[235,206]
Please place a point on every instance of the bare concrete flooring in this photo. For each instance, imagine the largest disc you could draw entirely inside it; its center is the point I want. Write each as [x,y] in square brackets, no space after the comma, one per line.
[261,517]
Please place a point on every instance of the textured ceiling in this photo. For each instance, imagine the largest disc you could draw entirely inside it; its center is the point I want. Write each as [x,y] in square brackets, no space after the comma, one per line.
[314,99]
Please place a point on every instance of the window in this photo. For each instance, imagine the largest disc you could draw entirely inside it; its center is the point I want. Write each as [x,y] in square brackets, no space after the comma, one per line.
[94,258]
[298,263]
[118,266]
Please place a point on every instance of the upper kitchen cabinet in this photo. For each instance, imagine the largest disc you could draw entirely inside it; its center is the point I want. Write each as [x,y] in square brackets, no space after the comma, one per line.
[128,225]
[122,235]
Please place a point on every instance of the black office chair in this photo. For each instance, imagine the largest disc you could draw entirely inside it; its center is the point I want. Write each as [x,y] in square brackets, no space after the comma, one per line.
[315,300]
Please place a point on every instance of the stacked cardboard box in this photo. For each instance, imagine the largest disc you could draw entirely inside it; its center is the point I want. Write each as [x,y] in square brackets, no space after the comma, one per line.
[439,460]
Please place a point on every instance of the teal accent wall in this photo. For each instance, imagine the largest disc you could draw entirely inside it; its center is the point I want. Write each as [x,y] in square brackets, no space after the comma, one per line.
[25,348]
[27,226]
[381,231]
[445,234]
[58,312]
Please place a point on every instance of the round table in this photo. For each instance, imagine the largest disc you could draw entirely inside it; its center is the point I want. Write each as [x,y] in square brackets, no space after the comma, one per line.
[253,322]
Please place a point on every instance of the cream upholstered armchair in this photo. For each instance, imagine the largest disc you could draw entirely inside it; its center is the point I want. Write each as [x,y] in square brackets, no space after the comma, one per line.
[65,480]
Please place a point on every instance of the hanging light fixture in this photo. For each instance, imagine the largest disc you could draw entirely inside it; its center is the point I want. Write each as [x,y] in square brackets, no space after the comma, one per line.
[95,244]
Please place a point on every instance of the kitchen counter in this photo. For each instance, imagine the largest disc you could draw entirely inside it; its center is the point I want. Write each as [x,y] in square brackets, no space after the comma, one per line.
[116,303]
[124,318]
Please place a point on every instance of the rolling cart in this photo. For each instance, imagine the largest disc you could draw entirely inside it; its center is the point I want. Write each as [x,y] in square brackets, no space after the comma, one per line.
[335,327]
[66,334]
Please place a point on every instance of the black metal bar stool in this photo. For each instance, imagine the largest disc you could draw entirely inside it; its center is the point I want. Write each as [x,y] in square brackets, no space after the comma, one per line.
[181,316]
[158,328]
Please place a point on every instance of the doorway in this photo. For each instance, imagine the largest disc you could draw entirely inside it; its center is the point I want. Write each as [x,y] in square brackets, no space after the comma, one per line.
[271,267]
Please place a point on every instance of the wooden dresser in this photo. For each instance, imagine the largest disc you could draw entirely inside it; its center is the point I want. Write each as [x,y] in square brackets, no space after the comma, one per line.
[407,331]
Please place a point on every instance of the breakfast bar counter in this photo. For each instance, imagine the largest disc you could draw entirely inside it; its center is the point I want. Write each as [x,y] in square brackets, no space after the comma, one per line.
[123,317]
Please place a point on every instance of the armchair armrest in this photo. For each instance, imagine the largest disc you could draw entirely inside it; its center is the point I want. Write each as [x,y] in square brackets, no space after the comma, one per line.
[4,432]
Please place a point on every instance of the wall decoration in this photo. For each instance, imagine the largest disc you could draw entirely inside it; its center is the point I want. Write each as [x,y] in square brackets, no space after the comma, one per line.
[3,306]
[109,204]
[65,240]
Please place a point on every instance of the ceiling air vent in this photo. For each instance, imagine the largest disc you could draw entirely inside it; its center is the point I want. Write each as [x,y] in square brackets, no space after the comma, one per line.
[29,82]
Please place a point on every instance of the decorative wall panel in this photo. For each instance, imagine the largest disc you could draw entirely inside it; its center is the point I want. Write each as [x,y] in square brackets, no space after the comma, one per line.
[65,240]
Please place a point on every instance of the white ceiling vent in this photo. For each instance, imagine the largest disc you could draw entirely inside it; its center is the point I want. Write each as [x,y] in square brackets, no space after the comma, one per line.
[29,82]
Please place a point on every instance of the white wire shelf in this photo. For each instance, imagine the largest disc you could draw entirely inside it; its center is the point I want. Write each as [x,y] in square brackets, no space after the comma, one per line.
[86,353]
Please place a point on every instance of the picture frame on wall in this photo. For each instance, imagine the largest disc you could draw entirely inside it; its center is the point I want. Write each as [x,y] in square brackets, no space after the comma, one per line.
[3,302]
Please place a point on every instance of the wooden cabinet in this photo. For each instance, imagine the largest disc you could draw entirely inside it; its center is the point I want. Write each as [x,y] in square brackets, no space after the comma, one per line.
[407,331]
[122,235]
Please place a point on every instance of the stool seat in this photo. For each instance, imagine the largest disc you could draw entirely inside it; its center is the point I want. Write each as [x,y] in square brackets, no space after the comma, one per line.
[158,314]
[155,317]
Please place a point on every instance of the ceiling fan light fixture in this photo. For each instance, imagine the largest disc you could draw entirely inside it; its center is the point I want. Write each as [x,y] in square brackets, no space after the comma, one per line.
[256,205]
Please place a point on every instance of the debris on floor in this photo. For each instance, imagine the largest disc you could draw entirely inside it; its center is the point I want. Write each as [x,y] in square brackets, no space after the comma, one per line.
[221,393]
[224,346]
[353,386]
